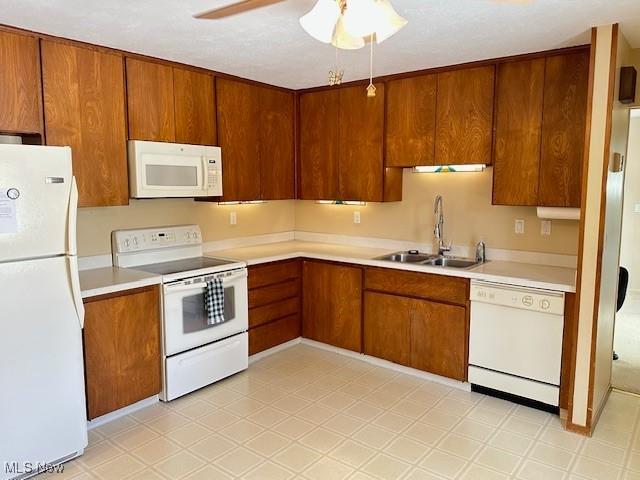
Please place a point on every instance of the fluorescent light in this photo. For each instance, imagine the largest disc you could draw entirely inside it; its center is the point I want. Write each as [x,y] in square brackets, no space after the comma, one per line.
[448,168]
[341,202]
[244,202]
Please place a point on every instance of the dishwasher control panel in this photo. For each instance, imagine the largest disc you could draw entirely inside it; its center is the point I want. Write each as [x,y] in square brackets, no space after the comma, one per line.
[535,300]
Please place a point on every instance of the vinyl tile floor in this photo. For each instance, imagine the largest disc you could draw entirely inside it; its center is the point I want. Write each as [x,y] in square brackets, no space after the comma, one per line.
[313,414]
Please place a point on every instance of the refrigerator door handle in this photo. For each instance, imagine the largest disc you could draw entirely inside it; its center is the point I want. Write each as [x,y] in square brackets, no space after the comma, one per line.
[75,288]
[72,242]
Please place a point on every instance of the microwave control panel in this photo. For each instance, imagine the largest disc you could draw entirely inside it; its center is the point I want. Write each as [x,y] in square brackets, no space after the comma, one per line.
[213,173]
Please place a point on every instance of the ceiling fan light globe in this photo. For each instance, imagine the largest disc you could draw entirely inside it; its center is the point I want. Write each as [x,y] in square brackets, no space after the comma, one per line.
[344,40]
[321,20]
[389,22]
[361,17]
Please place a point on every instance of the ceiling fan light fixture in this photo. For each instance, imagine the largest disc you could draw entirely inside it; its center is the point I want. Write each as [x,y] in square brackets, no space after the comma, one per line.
[320,21]
[344,40]
[389,22]
[361,17]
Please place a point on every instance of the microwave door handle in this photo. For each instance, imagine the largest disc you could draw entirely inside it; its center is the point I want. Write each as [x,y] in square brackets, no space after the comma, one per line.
[182,288]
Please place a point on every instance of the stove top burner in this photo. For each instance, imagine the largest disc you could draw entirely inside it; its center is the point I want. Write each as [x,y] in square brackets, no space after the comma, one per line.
[184,265]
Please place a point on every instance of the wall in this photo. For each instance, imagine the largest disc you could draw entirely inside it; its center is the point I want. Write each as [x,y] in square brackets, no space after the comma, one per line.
[96,224]
[469,216]
[630,254]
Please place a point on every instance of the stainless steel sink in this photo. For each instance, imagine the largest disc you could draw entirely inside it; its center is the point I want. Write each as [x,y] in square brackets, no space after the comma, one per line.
[451,262]
[430,260]
[407,257]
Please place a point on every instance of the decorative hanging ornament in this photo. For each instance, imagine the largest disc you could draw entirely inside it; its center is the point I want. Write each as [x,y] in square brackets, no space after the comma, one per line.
[371,89]
[335,75]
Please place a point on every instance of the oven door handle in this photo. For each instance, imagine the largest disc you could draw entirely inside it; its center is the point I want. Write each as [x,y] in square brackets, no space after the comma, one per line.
[182,288]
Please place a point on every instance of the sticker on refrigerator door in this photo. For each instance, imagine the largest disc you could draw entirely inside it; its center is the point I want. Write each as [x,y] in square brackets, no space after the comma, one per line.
[8,214]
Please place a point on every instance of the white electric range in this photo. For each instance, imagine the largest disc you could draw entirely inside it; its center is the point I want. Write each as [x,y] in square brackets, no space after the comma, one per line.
[195,354]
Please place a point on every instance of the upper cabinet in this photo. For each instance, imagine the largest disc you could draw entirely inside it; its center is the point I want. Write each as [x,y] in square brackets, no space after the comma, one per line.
[464,116]
[19,84]
[411,121]
[170,104]
[540,130]
[255,129]
[341,147]
[84,108]
[563,129]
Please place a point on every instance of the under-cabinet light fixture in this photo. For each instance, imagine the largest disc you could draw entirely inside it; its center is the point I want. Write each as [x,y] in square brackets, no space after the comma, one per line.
[341,202]
[449,168]
[244,202]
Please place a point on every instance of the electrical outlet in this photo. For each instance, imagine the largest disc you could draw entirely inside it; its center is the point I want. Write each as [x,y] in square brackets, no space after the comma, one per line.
[636,208]
[519,228]
[233,218]
[356,217]
[545,227]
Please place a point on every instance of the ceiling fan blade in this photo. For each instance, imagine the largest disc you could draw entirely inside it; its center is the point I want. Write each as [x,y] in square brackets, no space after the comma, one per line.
[234,9]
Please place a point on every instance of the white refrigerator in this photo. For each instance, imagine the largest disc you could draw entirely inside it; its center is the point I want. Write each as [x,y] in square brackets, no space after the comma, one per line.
[42,395]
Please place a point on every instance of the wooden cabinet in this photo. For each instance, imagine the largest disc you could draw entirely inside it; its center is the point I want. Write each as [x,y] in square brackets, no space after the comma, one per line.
[84,108]
[194,103]
[274,304]
[540,131]
[411,121]
[439,339]
[255,126]
[319,113]
[464,116]
[341,147]
[170,104]
[520,90]
[20,92]
[121,349]
[563,129]
[418,320]
[332,304]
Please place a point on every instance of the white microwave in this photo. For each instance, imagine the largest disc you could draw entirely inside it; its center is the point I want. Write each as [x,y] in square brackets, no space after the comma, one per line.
[159,169]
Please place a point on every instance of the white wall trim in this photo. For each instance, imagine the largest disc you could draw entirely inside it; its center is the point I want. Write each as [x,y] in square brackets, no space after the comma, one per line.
[249,241]
[122,412]
[94,261]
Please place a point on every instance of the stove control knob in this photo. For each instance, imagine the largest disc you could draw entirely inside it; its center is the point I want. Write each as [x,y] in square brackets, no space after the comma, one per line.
[545,304]
[527,300]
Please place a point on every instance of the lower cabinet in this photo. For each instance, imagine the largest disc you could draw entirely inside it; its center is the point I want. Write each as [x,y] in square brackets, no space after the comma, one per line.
[274,304]
[121,349]
[332,304]
[429,333]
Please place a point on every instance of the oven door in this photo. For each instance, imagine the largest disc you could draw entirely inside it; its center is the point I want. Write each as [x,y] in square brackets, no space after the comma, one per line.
[185,316]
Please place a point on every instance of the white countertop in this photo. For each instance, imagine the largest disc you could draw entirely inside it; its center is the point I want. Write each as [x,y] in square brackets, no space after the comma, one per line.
[101,281]
[512,273]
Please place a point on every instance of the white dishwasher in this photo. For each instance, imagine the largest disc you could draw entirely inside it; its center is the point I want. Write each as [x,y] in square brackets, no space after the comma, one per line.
[515,341]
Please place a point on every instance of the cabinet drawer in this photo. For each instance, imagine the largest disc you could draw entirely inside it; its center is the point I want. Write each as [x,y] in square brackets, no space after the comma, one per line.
[270,273]
[414,284]
[273,311]
[273,293]
[274,333]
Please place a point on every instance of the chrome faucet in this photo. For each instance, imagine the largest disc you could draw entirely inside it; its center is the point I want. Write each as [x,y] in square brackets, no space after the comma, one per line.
[438,231]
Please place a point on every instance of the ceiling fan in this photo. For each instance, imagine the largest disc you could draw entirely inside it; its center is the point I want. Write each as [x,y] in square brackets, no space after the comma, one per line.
[247,5]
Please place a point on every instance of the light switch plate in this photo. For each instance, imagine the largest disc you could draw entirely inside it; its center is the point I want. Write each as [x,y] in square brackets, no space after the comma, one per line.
[233,218]
[356,217]
[545,227]
[636,208]
[519,227]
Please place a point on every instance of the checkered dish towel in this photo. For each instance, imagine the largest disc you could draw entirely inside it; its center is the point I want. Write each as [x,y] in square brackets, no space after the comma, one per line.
[214,301]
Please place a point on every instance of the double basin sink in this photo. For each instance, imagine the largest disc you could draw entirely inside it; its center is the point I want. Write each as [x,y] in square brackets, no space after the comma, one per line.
[417,258]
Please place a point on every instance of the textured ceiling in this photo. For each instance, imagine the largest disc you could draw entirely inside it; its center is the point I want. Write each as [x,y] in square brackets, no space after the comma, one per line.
[269,45]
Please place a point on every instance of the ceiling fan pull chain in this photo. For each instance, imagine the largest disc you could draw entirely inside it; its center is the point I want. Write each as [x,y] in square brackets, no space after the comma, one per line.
[371,89]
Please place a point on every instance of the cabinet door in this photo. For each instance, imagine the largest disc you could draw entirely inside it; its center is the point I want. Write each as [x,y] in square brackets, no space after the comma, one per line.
[563,129]
[121,349]
[332,304]
[518,131]
[360,140]
[387,332]
[319,145]
[150,101]
[195,107]
[85,108]
[439,338]
[411,121]
[277,160]
[238,137]
[464,116]
[19,84]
